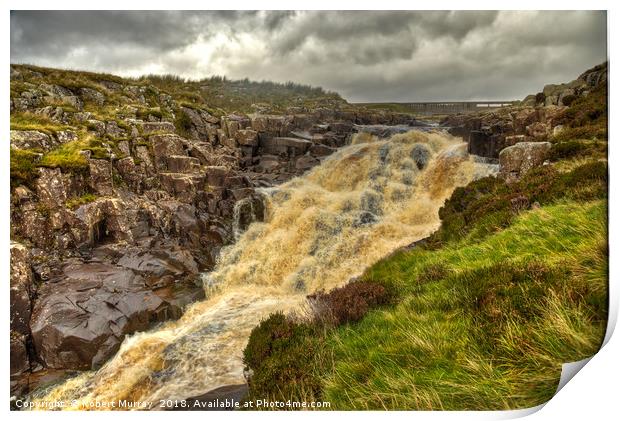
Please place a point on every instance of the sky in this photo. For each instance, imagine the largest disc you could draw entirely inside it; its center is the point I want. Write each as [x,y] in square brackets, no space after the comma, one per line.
[366,56]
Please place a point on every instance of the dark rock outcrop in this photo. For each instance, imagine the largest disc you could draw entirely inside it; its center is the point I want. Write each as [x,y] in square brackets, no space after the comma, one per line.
[83,316]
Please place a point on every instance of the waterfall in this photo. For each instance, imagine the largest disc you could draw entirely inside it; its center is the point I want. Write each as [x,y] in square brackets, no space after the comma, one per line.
[247,210]
[318,231]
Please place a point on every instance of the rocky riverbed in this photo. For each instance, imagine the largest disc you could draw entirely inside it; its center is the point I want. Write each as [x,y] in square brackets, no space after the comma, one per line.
[129,193]
[117,245]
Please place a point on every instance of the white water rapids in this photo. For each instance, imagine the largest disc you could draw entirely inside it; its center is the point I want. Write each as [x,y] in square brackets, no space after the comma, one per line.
[321,229]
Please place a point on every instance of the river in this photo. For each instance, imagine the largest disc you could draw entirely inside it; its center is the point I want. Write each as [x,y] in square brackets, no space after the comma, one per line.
[320,230]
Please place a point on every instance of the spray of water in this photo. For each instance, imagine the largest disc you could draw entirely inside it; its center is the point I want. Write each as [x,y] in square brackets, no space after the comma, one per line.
[320,230]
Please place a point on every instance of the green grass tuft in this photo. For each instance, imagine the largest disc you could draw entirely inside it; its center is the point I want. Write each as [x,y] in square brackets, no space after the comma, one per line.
[491,329]
[76,202]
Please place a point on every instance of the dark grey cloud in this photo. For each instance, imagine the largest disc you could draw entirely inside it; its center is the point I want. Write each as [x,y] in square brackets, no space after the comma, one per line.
[366,56]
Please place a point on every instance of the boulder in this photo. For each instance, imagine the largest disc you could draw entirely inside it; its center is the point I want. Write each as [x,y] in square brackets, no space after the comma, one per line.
[537,130]
[81,318]
[92,95]
[31,139]
[516,160]
[201,150]
[65,136]
[102,220]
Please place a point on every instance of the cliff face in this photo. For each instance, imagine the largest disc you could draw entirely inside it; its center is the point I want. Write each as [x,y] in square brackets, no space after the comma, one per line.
[123,191]
[577,109]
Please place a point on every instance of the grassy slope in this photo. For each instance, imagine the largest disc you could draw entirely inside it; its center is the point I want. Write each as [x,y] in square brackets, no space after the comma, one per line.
[480,326]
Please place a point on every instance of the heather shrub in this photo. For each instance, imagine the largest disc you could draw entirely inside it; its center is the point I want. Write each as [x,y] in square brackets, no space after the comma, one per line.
[568,100]
[489,204]
[569,149]
[348,303]
[281,353]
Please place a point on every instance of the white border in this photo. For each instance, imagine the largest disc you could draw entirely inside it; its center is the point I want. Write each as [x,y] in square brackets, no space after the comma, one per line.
[592,394]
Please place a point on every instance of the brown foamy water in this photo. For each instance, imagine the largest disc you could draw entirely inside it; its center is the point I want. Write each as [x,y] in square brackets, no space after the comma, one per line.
[362,203]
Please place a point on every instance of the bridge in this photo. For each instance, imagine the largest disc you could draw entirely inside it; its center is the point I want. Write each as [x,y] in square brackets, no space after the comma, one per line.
[454,107]
[449,107]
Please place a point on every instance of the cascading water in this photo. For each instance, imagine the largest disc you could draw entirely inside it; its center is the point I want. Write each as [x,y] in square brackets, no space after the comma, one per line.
[247,210]
[320,230]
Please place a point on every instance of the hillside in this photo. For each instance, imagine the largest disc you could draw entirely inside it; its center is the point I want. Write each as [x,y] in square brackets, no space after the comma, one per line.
[481,314]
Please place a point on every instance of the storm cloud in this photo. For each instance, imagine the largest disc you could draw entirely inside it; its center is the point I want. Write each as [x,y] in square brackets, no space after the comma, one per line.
[365,56]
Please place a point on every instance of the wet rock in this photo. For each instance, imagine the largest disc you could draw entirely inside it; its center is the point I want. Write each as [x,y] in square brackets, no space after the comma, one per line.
[306,162]
[246,211]
[160,262]
[268,164]
[485,143]
[19,354]
[516,160]
[221,399]
[80,319]
[341,127]
[321,150]
[420,155]
[22,288]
